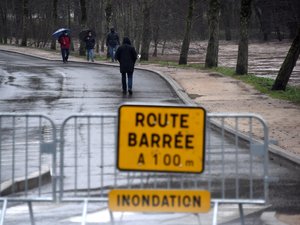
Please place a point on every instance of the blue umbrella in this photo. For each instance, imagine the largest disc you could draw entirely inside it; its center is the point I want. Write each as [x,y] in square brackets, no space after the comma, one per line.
[59,32]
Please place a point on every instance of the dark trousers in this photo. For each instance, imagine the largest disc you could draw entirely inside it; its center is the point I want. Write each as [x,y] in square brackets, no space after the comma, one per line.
[65,54]
[124,83]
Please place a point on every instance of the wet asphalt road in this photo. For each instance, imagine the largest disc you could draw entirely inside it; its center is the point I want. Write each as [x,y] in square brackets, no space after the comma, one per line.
[31,85]
[59,90]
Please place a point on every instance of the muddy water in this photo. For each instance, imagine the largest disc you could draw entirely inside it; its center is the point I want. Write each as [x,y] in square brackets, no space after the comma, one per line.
[265,59]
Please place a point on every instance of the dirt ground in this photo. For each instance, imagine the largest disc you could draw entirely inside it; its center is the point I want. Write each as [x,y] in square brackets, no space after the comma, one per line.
[289,219]
[217,93]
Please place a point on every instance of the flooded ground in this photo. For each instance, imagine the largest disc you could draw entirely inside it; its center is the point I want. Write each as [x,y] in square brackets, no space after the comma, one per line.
[265,58]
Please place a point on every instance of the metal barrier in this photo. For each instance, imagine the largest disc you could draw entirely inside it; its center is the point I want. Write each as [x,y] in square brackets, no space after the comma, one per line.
[236,161]
[27,160]
[236,164]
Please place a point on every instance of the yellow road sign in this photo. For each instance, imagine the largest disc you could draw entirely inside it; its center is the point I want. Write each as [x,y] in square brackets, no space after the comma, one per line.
[161,138]
[194,201]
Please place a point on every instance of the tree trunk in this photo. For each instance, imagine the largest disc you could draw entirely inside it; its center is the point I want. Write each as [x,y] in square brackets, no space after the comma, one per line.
[242,60]
[83,23]
[102,31]
[146,33]
[18,9]
[288,65]
[187,36]
[211,59]
[108,19]
[54,17]
[156,24]
[155,47]
[156,38]
[226,12]
[4,25]
[69,23]
[263,10]
[24,22]
[137,29]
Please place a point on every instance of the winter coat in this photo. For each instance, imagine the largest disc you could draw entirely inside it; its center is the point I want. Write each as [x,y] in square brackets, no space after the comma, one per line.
[112,39]
[89,42]
[64,41]
[126,55]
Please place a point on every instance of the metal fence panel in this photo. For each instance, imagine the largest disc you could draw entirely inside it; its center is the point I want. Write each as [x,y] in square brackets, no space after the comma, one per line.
[27,157]
[236,160]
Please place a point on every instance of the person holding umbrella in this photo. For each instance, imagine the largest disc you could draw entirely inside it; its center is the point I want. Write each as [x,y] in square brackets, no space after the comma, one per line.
[89,45]
[65,42]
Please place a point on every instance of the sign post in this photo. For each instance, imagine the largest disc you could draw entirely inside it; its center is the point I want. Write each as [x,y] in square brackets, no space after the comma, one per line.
[161,138]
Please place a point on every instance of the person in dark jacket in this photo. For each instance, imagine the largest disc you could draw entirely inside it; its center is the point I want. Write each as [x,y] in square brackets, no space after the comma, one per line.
[112,42]
[65,42]
[89,45]
[126,55]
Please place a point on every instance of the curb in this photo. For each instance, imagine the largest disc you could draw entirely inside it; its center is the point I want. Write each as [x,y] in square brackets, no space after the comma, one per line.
[269,218]
[276,150]
[33,180]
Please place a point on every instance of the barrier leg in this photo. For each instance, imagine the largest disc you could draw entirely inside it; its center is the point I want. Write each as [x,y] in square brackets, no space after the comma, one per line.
[198,218]
[84,212]
[215,213]
[31,213]
[3,211]
[241,214]
[112,221]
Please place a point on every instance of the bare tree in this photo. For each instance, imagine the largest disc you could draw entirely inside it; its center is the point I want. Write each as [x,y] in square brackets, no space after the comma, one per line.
[187,35]
[54,18]
[156,24]
[146,34]
[108,20]
[83,25]
[4,22]
[226,14]
[288,65]
[32,22]
[25,14]
[108,15]
[211,59]
[138,26]
[263,9]
[102,31]
[242,60]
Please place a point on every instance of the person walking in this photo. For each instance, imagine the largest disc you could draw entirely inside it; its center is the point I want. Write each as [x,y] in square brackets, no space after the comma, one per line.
[126,55]
[65,42]
[90,45]
[112,42]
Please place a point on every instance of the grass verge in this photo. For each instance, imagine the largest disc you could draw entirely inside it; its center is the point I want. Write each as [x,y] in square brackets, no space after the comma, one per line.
[264,85]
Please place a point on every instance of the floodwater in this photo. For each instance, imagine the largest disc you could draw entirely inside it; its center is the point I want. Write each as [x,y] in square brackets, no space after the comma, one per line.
[265,58]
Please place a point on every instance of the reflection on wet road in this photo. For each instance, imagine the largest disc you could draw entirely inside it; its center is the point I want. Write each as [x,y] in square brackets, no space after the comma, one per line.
[52,88]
